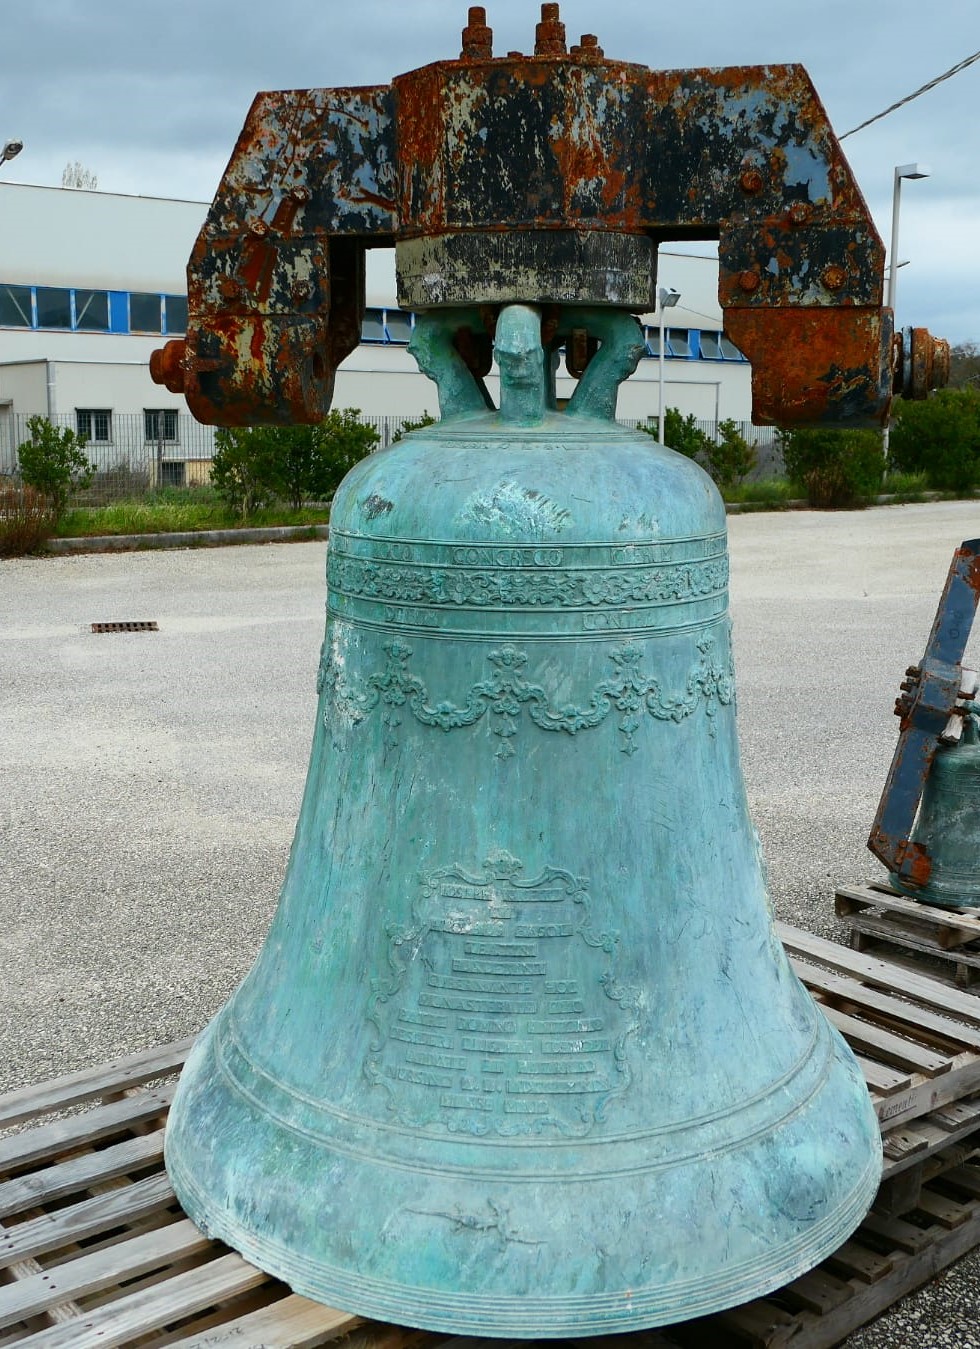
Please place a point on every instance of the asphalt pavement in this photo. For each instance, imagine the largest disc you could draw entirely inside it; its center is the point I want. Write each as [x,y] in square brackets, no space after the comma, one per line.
[149,782]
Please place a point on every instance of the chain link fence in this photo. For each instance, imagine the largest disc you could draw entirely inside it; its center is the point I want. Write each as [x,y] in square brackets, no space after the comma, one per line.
[136,453]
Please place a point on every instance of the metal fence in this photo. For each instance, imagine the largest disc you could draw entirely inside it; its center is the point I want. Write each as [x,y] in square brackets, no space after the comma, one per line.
[135,453]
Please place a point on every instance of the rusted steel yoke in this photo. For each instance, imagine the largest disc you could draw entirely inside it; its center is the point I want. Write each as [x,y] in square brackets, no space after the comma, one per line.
[547,179]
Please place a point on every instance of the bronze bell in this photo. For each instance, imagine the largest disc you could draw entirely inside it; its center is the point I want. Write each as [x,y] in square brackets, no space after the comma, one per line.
[947,828]
[522,1054]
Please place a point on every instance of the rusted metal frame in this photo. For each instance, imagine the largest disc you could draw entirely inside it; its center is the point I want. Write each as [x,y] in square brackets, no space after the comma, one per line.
[276,278]
[932,690]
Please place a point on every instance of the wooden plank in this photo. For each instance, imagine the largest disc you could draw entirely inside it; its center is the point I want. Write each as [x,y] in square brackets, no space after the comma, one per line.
[818,1291]
[880,974]
[944,1211]
[886,1046]
[756,1321]
[908,1274]
[957,1113]
[294,1322]
[53,1231]
[962,926]
[120,1322]
[965,1178]
[902,932]
[47,1140]
[856,1261]
[79,1173]
[901,1143]
[885,1008]
[75,1088]
[103,1269]
[882,1079]
[896,1232]
[963,1079]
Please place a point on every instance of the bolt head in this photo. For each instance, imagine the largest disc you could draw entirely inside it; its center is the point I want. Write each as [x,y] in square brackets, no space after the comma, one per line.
[751,181]
[749,281]
[834,276]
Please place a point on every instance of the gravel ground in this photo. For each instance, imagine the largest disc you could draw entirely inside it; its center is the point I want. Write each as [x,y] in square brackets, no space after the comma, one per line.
[150,782]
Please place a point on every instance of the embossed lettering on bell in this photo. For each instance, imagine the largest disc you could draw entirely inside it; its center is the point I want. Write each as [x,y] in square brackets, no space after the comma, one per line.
[522,1054]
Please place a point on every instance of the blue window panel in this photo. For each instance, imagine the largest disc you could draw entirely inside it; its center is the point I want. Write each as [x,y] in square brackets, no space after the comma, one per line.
[730,351]
[16,307]
[679,343]
[118,311]
[53,306]
[398,325]
[176,313]
[90,310]
[694,337]
[373,326]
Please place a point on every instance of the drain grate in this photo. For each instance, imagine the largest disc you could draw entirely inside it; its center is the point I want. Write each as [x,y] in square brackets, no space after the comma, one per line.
[126,627]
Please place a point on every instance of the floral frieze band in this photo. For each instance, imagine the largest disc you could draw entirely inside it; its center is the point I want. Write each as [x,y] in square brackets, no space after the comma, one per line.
[506,693]
[496,587]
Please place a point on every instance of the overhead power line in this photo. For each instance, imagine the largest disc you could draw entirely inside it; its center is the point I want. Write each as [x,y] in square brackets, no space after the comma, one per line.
[955,70]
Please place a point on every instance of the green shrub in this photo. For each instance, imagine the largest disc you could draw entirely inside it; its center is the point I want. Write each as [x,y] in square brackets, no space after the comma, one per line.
[241,472]
[773,492]
[53,462]
[416,424]
[835,469]
[731,458]
[26,520]
[940,437]
[255,465]
[906,487]
[681,434]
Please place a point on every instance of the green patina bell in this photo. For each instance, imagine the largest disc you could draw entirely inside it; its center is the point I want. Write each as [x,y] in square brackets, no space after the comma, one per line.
[947,828]
[522,1054]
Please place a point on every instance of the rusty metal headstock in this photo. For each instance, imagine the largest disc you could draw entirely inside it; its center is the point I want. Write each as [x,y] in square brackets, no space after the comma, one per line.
[550,179]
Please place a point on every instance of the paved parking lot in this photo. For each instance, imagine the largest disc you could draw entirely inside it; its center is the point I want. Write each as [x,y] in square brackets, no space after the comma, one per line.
[150,781]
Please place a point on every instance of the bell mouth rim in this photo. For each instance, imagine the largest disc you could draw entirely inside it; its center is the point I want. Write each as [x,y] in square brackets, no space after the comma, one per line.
[556,1315]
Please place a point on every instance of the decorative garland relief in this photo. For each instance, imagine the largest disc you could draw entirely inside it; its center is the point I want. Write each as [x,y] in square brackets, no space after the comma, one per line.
[506,693]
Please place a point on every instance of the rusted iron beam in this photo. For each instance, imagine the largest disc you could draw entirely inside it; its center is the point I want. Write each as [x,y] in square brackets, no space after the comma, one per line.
[547,178]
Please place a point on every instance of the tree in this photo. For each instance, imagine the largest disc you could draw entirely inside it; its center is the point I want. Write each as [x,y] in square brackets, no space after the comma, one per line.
[311,461]
[240,469]
[53,462]
[835,468]
[413,424]
[77,175]
[253,465]
[941,437]
[964,365]
[681,434]
[730,458]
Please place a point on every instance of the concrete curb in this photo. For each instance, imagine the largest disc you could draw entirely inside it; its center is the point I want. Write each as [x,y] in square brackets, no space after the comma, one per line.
[189,538]
[217,538]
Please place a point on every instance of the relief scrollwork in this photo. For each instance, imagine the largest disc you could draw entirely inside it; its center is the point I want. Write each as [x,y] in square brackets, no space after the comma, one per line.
[506,693]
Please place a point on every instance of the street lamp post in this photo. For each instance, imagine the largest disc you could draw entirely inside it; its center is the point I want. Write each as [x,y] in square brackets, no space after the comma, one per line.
[11,150]
[901,171]
[667,297]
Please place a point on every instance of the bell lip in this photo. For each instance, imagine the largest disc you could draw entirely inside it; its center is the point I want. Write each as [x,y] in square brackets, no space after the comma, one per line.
[496,1316]
[939,894]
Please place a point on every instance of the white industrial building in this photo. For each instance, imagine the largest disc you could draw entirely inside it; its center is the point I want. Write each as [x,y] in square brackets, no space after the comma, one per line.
[92,282]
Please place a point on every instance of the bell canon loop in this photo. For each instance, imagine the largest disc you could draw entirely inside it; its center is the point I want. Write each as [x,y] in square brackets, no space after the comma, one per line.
[522,1054]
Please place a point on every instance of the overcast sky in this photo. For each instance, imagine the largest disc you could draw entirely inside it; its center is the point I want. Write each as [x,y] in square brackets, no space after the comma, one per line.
[151,96]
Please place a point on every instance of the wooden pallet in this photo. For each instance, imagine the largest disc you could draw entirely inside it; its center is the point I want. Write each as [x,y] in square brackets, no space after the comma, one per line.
[95,1251]
[880,919]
